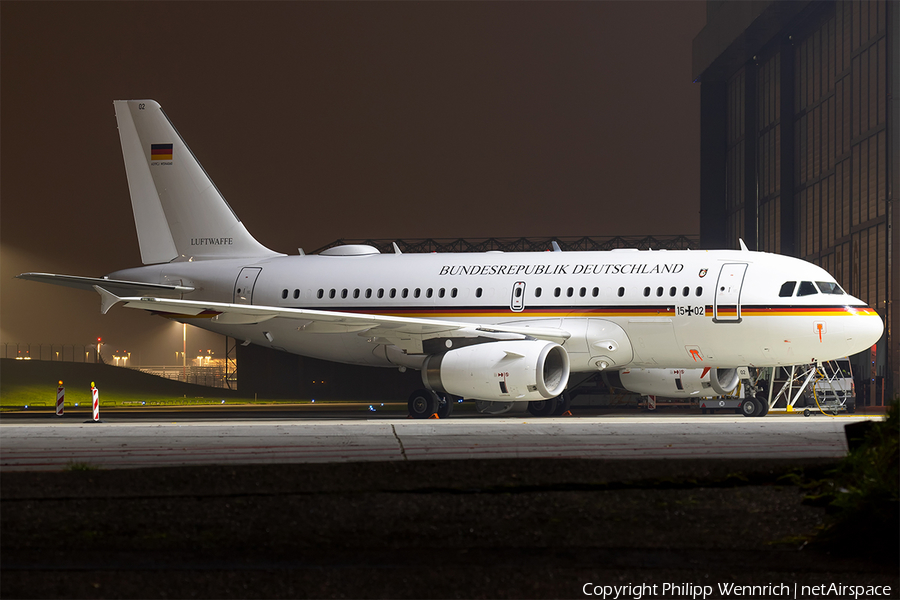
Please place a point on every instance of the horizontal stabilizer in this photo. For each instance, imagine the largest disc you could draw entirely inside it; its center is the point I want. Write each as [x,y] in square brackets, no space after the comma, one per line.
[125,288]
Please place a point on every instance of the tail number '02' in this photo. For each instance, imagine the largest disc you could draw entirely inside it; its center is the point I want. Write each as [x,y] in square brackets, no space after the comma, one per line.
[691,311]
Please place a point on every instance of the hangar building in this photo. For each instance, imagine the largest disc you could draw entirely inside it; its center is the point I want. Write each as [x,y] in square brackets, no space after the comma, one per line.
[800,132]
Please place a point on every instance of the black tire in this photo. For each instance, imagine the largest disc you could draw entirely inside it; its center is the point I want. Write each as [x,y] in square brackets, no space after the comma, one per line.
[422,404]
[806,412]
[750,407]
[851,407]
[543,408]
[563,404]
[445,406]
[763,406]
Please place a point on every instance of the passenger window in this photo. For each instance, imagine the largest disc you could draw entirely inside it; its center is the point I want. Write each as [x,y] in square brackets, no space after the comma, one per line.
[659,291]
[368,292]
[356,293]
[453,293]
[284,294]
[582,292]
[417,293]
[537,292]
[569,292]
[807,289]
[622,292]
[331,293]
[381,292]
[441,293]
[787,289]
[478,293]
[344,293]
[686,291]
[699,291]
[405,292]
[672,291]
[518,292]
[596,292]
[428,293]
[646,291]
[393,292]
[556,292]
[320,293]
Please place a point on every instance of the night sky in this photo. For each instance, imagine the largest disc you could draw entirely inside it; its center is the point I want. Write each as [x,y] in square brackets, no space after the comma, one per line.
[320,121]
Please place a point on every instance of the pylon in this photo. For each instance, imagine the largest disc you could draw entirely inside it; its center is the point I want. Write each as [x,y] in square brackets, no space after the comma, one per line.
[60,399]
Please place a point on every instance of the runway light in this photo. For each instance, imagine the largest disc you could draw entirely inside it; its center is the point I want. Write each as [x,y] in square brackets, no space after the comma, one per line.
[223,402]
[142,403]
[371,408]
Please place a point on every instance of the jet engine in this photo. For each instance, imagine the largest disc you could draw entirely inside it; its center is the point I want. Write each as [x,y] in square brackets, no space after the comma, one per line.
[503,370]
[676,383]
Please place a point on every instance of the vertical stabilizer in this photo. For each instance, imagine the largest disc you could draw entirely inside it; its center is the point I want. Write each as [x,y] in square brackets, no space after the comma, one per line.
[178,211]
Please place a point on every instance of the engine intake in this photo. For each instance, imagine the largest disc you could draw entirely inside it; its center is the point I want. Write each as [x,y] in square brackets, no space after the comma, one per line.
[504,370]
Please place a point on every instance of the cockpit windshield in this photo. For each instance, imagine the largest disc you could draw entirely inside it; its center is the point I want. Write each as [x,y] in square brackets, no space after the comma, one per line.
[828,287]
[807,289]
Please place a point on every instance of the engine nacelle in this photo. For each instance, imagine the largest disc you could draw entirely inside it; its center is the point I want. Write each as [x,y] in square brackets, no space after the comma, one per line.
[677,383]
[503,370]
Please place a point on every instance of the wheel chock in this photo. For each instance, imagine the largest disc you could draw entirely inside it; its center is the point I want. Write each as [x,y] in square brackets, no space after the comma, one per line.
[568,413]
[434,416]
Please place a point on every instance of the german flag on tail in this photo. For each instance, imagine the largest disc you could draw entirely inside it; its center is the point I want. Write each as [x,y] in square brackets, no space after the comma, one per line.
[160,151]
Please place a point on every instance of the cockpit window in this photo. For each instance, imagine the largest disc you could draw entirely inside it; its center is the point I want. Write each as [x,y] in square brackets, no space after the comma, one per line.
[787,289]
[828,287]
[807,289]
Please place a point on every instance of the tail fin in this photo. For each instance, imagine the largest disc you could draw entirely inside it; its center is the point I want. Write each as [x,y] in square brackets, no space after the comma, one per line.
[178,211]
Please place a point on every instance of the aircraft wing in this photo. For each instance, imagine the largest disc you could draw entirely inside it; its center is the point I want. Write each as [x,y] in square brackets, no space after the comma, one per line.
[114,285]
[405,332]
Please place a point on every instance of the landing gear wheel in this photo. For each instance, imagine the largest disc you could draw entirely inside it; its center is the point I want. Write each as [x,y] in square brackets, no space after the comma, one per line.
[543,408]
[750,407]
[422,404]
[445,406]
[763,405]
[563,403]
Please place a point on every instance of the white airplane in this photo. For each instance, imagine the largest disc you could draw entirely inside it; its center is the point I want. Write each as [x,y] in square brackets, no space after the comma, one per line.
[489,326]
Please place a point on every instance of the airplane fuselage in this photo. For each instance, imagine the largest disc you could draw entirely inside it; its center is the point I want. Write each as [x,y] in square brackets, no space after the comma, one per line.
[678,309]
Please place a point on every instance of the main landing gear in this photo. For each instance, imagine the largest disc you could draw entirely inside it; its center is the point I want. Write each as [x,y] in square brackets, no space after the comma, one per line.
[424,404]
[553,407]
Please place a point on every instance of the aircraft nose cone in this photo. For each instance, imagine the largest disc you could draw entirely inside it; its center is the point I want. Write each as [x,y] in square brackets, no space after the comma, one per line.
[864,330]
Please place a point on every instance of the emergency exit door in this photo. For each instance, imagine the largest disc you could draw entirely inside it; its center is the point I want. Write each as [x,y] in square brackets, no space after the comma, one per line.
[517,300]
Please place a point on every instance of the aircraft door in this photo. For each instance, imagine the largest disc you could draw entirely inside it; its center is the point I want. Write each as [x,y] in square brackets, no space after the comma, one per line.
[243,287]
[517,301]
[727,308]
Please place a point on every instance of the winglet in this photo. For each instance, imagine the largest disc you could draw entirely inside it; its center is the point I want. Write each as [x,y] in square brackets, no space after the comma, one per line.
[107,299]
[743,245]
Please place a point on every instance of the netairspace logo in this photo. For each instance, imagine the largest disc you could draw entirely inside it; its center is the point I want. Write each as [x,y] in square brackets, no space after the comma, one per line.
[733,590]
